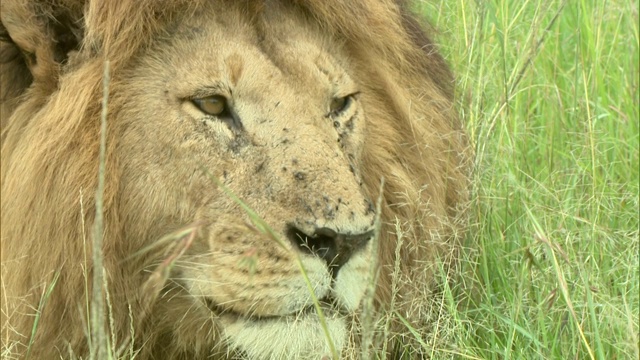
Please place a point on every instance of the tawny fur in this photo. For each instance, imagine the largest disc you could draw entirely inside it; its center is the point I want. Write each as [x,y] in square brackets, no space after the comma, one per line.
[52,56]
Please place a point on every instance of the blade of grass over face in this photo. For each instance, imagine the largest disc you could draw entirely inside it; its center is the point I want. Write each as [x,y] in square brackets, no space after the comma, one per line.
[41,306]
[368,307]
[98,335]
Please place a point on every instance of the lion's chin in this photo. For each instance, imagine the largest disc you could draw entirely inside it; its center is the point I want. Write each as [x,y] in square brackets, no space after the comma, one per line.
[289,337]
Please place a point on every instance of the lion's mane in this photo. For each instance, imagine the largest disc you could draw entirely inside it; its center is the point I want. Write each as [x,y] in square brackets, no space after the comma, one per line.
[52,59]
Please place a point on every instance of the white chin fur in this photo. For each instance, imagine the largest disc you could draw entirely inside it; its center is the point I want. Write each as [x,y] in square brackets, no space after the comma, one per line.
[352,280]
[284,338]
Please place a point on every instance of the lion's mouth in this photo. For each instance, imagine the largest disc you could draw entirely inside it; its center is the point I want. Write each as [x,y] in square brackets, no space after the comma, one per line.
[328,307]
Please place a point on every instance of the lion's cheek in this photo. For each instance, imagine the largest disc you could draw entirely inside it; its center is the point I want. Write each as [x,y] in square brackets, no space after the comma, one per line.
[252,283]
[354,278]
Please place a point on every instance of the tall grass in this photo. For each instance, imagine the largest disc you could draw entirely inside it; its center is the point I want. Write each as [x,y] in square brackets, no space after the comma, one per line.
[549,91]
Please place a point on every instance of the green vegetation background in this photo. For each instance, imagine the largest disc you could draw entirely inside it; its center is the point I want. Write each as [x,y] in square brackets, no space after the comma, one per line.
[549,91]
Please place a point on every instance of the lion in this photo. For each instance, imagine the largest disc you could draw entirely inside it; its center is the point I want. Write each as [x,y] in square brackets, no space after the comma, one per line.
[245,141]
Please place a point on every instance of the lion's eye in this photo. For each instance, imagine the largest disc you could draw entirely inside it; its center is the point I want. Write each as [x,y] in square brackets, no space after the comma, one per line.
[212,105]
[339,104]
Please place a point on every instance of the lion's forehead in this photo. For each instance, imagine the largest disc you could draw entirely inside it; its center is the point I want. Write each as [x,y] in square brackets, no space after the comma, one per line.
[232,49]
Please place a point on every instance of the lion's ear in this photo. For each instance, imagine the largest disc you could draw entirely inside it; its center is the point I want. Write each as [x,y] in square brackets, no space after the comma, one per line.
[43,33]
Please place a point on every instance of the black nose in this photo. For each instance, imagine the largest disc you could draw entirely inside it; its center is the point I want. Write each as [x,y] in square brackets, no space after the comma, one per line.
[335,248]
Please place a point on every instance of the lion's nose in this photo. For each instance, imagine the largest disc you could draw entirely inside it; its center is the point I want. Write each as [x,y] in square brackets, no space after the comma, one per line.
[335,248]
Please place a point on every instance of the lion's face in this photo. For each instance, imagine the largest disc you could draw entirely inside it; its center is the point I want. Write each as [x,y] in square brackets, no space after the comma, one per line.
[278,120]
[223,116]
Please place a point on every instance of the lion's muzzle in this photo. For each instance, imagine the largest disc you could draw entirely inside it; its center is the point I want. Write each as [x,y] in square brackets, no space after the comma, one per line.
[333,247]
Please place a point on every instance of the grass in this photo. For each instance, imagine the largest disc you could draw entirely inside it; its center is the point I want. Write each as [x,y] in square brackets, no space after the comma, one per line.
[549,92]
